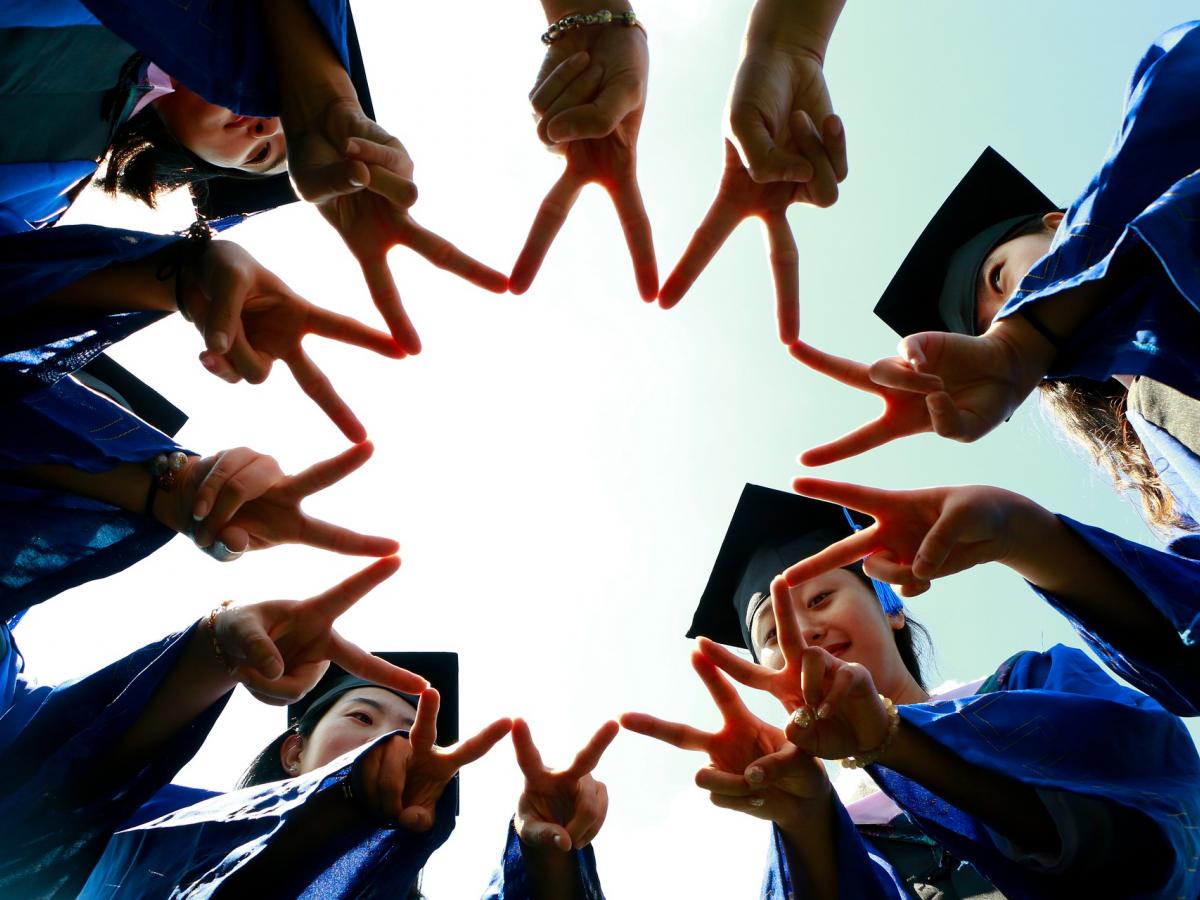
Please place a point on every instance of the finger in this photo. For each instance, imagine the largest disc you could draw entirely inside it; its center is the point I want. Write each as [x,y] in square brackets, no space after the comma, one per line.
[685,737]
[330,471]
[835,556]
[358,661]
[723,693]
[317,184]
[627,198]
[718,224]
[235,539]
[849,679]
[748,673]
[784,763]
[882,568]
[598,808]
[813,666]
[390,768]
[388,169]
[942,539]
[466,752]
[822,188]
[787,624]
[913,590]
[857,441]
[545,834]
[327,536]
[320,390]
[387,300]
[597,119]
[546,224]
[752,804]
[730,784]
[227,291]
[241,476]
[218,365]
[334,602]
[445,255]
[550,87]
[589,757]
[582,90]
[856,496]
[763,158]
[416,818]
[398,190]
[785,268]
[282,690]
[423,733]
[583,821]
[964,556]
[847,371]
[833,135]
[949,421]
[894,372]
[251,644]
[337,327]
[248,362]
[529,760]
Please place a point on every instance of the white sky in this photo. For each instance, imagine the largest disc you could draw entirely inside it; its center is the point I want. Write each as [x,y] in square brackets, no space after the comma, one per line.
[560,467]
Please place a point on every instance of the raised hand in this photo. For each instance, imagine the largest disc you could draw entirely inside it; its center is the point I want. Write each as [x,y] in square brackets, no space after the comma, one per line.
[250,318]
[242,499]
[560,809]
[917,535]
[589,99]
[279,649]
[361,179]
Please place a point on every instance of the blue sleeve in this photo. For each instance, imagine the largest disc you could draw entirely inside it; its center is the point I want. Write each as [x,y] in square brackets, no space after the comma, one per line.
[1171,585]
[862,872]
[218,49]
[44,14]
[511,880]
[54,818]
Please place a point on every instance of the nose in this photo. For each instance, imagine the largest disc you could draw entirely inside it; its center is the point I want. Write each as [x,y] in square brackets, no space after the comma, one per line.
[813,636]
[263,128]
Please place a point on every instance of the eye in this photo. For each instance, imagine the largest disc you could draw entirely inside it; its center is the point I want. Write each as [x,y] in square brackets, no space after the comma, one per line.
[994,277]
[818,599]
[769,637]
[363,717]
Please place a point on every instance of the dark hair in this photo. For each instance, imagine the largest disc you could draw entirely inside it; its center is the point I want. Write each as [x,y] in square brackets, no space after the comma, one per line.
[267,766]
[144,160]
[912,640]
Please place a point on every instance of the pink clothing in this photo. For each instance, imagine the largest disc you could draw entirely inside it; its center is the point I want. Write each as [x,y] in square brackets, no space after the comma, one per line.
[160,86]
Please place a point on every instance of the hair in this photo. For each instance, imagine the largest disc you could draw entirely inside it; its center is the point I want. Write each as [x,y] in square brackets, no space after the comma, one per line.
[912,641]
[267,766]
[144,161]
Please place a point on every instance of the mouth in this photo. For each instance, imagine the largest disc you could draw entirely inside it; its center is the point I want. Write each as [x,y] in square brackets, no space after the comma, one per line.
[838,650]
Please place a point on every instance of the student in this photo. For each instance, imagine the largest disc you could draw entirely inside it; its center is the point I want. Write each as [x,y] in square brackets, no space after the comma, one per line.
[354,798]
[79,758]
[1100,302]
[1046,780]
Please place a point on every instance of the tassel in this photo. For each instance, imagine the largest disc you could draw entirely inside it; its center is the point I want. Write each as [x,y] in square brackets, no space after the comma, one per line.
[888,598]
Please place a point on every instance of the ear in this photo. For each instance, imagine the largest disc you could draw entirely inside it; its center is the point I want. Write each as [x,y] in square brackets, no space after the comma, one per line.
[897,621]
[1051,220]
[289,753]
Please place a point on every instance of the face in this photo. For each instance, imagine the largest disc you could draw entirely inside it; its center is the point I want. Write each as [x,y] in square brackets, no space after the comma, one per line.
[1004,268]
[840,613]
[356,718]
[221,137]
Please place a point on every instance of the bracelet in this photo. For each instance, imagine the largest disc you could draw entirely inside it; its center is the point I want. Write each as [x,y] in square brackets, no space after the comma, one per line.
[212,634]
[866,759]
[182,254]
[559,29]
[163,469]
[1040,327]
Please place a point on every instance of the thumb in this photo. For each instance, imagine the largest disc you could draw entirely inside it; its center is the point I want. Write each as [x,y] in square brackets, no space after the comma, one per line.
[250,644]
[545,835]
[773,768]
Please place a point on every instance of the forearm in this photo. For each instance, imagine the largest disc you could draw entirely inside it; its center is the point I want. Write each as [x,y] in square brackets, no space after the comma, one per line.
[799,26]
[310,74]
[125,486]
[812,850]
[553,874]
[121,286]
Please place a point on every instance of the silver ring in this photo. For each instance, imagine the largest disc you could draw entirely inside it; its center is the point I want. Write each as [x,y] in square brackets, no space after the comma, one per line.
[221,553]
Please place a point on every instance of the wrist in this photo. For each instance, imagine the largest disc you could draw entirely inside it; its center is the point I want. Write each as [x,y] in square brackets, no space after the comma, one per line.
[800,29]
[1029,353]
[557,9]
[169,507]
[1033,531]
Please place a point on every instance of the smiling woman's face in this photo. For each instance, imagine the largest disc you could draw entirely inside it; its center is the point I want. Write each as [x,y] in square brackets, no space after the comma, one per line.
[360,715]
[220,136]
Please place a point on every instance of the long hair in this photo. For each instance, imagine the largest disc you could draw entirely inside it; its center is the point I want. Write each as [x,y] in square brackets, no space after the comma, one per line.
[1092,414]
[267,766]
[912,641]
[144,161]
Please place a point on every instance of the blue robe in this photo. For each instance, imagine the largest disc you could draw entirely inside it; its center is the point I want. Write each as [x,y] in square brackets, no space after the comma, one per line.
[1145,197]
[53,824]
[195,849]
[1057,723]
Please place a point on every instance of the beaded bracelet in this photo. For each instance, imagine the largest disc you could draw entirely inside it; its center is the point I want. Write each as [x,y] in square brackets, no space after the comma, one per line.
[559,29]
[212,634]
[182,254]
[163,470]
[866,759]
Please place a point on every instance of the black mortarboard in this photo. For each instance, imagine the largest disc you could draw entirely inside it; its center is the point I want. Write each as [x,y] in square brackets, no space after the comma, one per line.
[439,669]
[243,194]
[934,288]
[770,530]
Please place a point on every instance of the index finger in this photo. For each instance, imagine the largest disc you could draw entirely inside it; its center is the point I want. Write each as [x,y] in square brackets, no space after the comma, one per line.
[723,693]
[589,757]
[785,268]
[835,556]
[320,390]
[791,635]
[847,371]
[332,603]
[748,673]
[546,225]
[685,737]
[866,437]
[466,752]
[627,198]
[386,297]
[423,733]
[358,661]
[858,497]
[336,327]
[327,472]
[763,158]
[529,760]
[718,224]
[445,255]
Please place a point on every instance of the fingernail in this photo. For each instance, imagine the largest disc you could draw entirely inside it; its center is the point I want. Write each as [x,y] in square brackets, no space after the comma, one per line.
[756,802]
[755,775]
[208,362]
[200,510]
[836,127]
[352,146]
[220,342]
[823,711]
[557,841]
[355,182]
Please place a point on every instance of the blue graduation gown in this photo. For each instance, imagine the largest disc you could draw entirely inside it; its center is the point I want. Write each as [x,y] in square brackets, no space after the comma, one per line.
[511,880]
[1056,722]
[55,822]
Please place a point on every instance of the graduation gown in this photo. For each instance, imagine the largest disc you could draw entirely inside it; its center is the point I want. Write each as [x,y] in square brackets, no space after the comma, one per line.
[54,818]
[193,851]
[1055,721]
[1144,198]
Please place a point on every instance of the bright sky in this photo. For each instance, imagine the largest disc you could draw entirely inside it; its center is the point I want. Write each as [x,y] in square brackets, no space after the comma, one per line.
[560,467]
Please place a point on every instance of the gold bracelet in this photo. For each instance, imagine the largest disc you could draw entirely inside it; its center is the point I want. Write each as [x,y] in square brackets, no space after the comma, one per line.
[559,28]
[866,759]
[212,634]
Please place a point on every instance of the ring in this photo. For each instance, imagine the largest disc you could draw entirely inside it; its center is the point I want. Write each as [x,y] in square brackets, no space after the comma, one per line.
[221,553]
[756,802]
[802,717]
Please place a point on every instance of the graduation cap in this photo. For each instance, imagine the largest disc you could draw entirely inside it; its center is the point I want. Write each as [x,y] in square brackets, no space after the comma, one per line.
[934,288]
[243,194]
[770,530]
[439,669]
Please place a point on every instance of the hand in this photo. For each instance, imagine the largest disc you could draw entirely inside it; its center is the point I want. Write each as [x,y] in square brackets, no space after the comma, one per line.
[250,318]
[564,809]
[738,197]
[403,780]
[917,535]
[241,498]
[279,649]
[589,99]
[360,177]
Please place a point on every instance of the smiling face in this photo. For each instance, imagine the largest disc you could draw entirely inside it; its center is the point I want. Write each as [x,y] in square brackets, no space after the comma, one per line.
[1006,265]
[220,136]
[839,612]
[357,717]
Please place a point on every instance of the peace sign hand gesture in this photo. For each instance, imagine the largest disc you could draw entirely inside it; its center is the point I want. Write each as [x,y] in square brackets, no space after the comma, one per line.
[279,649]
[589,99]
[561,809]
[917,535]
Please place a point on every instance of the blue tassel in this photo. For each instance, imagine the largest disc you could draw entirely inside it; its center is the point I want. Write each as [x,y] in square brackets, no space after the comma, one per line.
[888,598]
